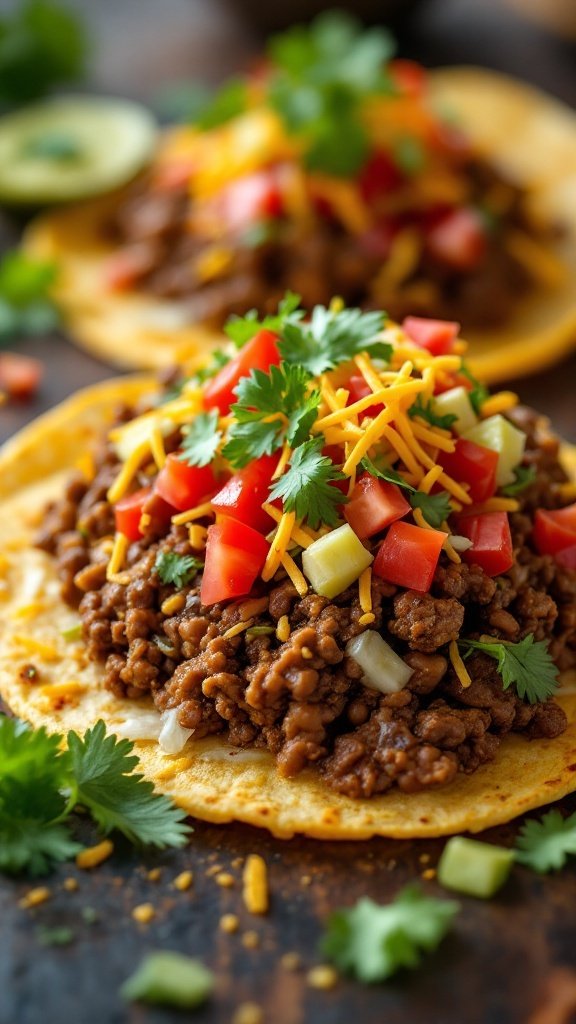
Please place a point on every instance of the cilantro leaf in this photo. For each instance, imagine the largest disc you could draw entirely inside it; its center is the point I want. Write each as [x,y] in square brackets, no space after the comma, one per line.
[546,844]
[176,569]
[527,665]
[331,338]
[434,507]
[25,304]
[410,155]
[426,412]
[523,477]
[230,101]
[42,44]
[306,486]
[201,439]
[373,942]
[479,392]
[272,407]
[102,768]
[241,329]
[33,845]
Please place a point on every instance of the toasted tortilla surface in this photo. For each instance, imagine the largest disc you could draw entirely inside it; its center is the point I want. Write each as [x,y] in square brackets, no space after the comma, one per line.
[209,778]
[527,134]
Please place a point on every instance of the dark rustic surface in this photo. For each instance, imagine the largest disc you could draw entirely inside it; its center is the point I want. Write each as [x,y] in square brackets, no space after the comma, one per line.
[503,955]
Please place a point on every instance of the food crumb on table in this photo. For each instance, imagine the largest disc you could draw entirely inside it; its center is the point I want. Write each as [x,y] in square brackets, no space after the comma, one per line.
[183,881]
[144,913]
[255,885]
[251,940]
[34,897]
[291,961]
[429,874]
[92,856]
[225,880]
[248,1013]
[70,884]
[229,923]
[154,875]
[323,977]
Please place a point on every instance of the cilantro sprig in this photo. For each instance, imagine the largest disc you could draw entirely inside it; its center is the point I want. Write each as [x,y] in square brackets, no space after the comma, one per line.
[41,784]
[478,393]
[523,477]
[434,507]
[25,303]
[177,569]
[42,44]
[201,439]
[241,329]
[272,408]
[372,942]
[426,412]
[332,337]
[527,666]
[545,845]
[307,485]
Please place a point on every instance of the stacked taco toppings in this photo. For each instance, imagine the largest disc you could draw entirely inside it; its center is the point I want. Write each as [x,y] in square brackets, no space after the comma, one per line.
[331,542]
[327,171]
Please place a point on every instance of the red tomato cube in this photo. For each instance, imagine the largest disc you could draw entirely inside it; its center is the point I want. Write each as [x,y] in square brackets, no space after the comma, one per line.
[437,336]
[458,239]
[491,541]
[260,353]
[554,529]
[243,495]
[408,556]
[184,486]
[235,556]
[373,505]
[472,464]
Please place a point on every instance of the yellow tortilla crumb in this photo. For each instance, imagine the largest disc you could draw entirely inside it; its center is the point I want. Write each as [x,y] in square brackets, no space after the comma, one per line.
[94,855]
[70,884]
[154,874]
[283,629]
[229,923]
[173,604]
[34,897]
[251,940]
[225,880]
[429,874]
[248,1013]
[323,977]
[144,913]
[183,881]
[255,880]
[291,961]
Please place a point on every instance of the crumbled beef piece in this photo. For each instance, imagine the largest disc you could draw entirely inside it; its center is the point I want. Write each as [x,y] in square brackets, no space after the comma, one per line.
[424,622]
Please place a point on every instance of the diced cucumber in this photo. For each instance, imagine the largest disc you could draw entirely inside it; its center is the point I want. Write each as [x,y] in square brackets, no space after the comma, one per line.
[474,868]
[334,561]
[72,147]
[501,436]
[169,979]
[383,669]
[456,402]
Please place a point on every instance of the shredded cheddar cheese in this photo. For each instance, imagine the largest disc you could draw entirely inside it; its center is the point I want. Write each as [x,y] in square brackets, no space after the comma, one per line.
[279,545]
[458,665]
[295,574]
[200,512]
[255,884]
[117,557]
[237,628]
[365,590]
[283,629]
[128,472]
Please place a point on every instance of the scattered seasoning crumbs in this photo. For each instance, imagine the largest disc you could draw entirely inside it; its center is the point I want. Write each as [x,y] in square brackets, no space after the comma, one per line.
[89,915]
[291,961]
[92,856]
[70,884]
[144,913]
[183,881]
[169,979]
[255,880]
[391,865]
[54,936]
[248,1013]
[237,863]
[225,879]
[306,880]
[429,874]
[229,923]
[424,858]
[154,875]
[251,940]
[215,869]
[34,897]
[323,977]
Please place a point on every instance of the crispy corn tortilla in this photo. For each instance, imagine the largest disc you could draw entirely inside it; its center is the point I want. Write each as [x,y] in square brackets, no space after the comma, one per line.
[530,135]
[210,779]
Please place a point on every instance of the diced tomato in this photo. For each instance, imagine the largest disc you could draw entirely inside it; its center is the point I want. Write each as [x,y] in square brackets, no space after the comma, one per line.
[244,493]
[128,511]
[491,541]
[408,556]
[260,353]
[555,529]
[184,486]
[373,505]
[174,174]
[358,388]
[252,198]
[126,267]
[235,556]
[377,240]
[472,464]
[566,557]
[20,375]
[409,77]
[379,176]
[459,239]
[437,336]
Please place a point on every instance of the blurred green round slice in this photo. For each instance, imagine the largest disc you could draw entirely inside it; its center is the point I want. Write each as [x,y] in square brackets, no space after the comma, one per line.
[71,148]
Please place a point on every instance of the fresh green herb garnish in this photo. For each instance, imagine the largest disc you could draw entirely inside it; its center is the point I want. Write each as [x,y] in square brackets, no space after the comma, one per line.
[306,486]
[545,845]
[25,304]
[260,630]
[241,329]
[410,155]
[201,439]
[61,936]
[272,408]
[527,665]
[177,569]
[332,338]
[230,101]
[479,393]
[372,942]
[169,979]
[319,77]
[426,412]
[434,507]
[40,785]
[72,633]
[524,476]
[42,44]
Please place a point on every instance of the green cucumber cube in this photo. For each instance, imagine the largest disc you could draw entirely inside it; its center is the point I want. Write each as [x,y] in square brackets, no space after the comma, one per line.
[474,868]
[334,561]
[501,436]
[456,402]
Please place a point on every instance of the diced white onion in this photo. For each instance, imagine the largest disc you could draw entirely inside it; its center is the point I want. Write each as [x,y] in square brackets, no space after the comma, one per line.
[459,543]
[173,736]
[143,725]
[34,583]
[383,669]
